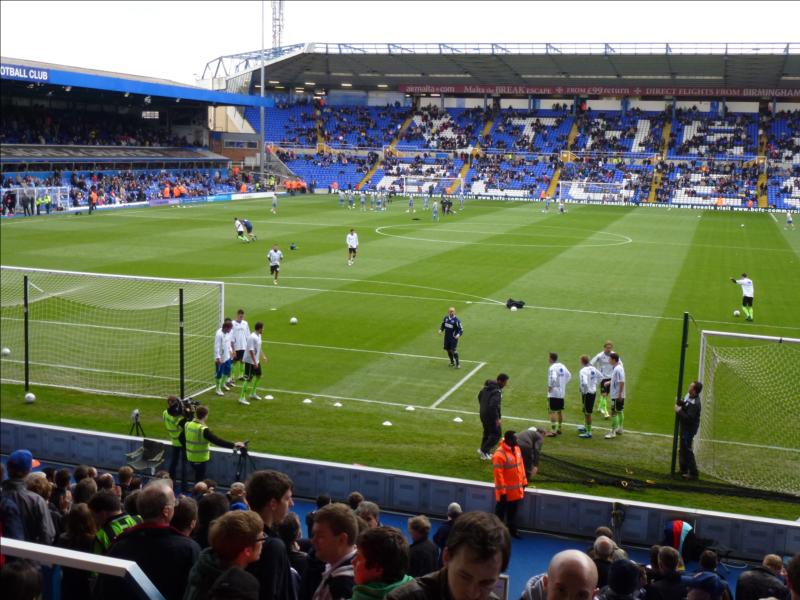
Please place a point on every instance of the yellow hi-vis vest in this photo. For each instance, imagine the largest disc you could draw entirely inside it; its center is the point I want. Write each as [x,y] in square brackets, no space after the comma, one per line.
[173,428]
[197,446]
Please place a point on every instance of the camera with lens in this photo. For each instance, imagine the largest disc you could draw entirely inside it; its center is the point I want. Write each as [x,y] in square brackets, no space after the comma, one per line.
[185,407]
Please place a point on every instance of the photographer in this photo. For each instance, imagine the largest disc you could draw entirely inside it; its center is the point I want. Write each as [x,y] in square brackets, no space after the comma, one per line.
[688,412]
[174,420]
[198,442]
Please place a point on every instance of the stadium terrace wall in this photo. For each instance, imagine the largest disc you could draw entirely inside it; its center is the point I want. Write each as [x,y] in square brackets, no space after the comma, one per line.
[542,510]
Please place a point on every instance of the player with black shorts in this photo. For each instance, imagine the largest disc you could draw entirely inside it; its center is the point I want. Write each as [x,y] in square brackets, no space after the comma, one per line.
[558,376]
[453,330]
[274,257]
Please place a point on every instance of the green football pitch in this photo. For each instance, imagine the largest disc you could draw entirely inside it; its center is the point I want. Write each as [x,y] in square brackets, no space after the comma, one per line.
[366,346]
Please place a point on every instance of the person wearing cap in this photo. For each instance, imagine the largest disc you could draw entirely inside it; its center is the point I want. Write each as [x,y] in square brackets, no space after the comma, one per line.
[509,481]
[440,537]
[530,445]
[36,520]
[489,400]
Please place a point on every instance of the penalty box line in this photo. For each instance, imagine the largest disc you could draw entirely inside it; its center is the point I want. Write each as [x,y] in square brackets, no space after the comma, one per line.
[464,379]
[523,419]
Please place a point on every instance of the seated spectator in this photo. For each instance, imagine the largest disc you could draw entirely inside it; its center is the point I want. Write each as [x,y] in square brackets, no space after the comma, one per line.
[334,537]
[380,564]
[80,529]
[441,535]
[624,581]
[669,586]
[209,507]
[185,517]
[236,541]
[110,519]
[34,513]
[603,551]
[424,555]
[570,574]
[478,550]
[763,581]
[165,555]
[370,512]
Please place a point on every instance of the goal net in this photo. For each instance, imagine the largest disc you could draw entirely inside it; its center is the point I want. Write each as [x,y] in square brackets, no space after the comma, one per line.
[413,186]
[603,193]
[748,426]
[109,334]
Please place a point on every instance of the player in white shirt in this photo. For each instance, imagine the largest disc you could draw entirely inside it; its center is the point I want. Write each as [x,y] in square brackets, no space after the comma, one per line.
[747,295]
[274,209]
[341,198]
[588,377]
[252,364]
[240,333]
[222,356]
[617,397]
[352,247]
[789,220]
[602,362]
[274,257]
[239,226]
[558,376]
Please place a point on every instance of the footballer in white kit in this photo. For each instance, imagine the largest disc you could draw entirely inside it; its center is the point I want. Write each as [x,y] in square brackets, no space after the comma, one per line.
[747,295]
[240,333]
[558,376]
[252,365]
[589,377]
[602,362]
[352,247]
[617,397]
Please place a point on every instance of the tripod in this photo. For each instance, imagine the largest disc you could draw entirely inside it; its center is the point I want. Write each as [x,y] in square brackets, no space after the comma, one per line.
[243,463]
[136,425]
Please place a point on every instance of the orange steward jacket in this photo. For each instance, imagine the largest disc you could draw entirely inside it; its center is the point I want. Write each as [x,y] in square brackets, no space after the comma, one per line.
[509,473]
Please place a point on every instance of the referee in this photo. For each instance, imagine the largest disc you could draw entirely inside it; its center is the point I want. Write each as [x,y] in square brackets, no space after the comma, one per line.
[452,329]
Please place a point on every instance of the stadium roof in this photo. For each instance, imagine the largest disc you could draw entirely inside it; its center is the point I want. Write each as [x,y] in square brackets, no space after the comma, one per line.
[35,74]
[410,67]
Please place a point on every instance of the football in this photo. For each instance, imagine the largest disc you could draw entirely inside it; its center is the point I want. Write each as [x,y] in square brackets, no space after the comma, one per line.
[513,309]
[30,398]
[6,351]
[736,313]
[293,320]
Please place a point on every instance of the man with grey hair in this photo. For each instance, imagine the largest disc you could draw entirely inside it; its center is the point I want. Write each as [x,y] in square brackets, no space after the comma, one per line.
[571,575]
[440,537]
[603,557]
[370,512]
[164,554]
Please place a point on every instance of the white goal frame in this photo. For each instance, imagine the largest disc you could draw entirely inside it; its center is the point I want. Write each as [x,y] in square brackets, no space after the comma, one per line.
[705,335]
[191,370]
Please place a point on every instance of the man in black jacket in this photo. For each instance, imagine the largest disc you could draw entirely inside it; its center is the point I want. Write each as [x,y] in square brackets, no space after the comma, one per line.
[489,399]
[762,581]
[688,412]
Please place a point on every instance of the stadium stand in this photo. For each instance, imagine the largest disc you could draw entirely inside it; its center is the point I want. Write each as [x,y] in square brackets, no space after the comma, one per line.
[536,131]
[710,183]
[286,123]
[509,176]
[443,129]
[707,135]
[361,127]
[634,132]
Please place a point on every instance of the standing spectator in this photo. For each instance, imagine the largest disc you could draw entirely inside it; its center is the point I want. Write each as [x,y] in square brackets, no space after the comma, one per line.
[165,555]
[289,532]
[793,577]
[424,555]
[21,580]
[36,520]
[125,475]
[669,586]
[80,529]
[322,500]
[270,495]
[174,422]
[509,481]
[334,537]
[440,537]
[198,442]
[209,507]
[705,585]
[478,550]
[624,581]
[110,519]
[688,412]
[236,540]
[490,399]
[603,552]
[185,517]
[380,564]
[354,499]
[763,581]
[84,490]
[38,484]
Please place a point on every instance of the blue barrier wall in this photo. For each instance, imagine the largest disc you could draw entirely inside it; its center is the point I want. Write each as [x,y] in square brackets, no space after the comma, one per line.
[542,510]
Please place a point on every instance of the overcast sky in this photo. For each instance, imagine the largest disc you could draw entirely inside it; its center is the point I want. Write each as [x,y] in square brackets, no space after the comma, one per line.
[174,40]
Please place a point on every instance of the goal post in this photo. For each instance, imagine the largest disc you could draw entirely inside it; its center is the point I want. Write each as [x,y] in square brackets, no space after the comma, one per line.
[109,334]
[422,186]
[750,402]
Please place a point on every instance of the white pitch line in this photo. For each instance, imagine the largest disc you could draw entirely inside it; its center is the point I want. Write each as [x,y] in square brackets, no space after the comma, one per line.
[773,217]
[365,351]
[525,419]
[449,392]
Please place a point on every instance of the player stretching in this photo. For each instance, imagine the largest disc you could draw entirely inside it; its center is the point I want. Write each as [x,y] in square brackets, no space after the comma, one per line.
[352,247]
[617,397]
[240,333]
[239,226]
[602,362]
[747,295]
[452,329]
[275,256]
[248,226]
[558,377]
[252,364]
[588,377]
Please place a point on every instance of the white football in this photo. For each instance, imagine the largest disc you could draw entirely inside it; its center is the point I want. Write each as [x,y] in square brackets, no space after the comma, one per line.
[6,351]
[514,309]
[736,313]
[293,320]
[30,398]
